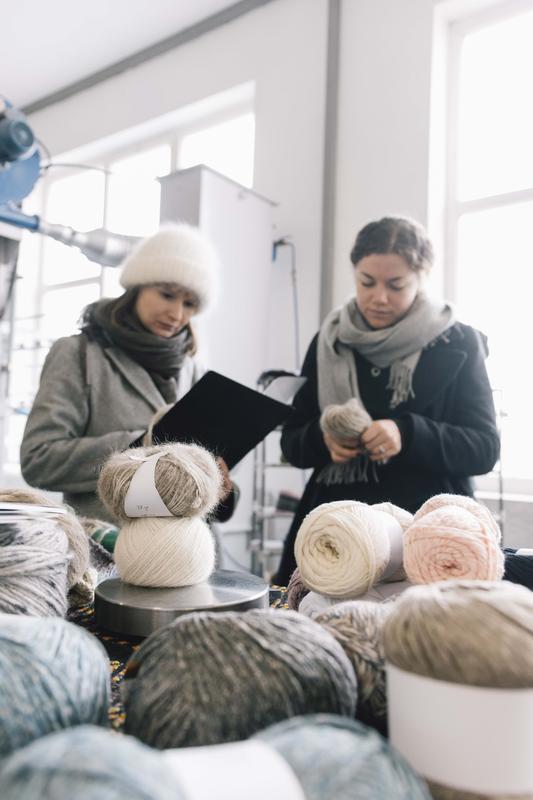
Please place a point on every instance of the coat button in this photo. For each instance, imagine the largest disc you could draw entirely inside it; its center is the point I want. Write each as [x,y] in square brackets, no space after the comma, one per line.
[375,371]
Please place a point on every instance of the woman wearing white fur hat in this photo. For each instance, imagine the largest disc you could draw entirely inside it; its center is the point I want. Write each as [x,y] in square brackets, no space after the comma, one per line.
[135,353]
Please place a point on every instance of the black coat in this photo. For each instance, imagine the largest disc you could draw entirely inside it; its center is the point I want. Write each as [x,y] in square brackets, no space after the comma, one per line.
[448,430]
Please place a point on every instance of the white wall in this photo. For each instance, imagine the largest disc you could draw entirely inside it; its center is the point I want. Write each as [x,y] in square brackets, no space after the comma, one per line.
[282,47]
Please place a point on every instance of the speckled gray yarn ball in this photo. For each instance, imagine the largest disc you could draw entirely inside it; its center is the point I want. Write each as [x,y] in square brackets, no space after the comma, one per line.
[53,675]
[34,563]
[209,678]
[87,763]
[340,759]
[187,479]
[296,590]
[357,627]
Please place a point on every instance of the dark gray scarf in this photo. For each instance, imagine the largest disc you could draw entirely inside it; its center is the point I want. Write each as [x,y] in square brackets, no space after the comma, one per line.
[114,323]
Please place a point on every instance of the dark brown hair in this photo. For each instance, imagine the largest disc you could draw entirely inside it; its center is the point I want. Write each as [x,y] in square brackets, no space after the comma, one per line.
[399,235]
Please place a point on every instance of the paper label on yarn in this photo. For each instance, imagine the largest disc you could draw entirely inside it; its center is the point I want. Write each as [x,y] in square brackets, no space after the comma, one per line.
[234,771]
[394,531]
[451,733]
[524,551]
[142,498]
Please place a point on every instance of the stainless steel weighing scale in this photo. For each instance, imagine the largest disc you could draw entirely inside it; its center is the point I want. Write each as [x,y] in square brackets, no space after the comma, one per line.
[139,611]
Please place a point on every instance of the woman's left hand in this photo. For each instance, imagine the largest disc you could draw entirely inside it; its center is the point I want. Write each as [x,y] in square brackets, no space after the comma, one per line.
[227,483]
[382,440]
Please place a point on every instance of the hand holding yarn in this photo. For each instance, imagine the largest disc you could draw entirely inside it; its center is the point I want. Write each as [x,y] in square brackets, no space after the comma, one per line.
[342,426]
[342,451]
[382,440]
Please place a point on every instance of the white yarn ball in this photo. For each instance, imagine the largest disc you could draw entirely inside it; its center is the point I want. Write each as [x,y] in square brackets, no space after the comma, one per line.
[343,548]
[315,604]
[165,551]
[405,518]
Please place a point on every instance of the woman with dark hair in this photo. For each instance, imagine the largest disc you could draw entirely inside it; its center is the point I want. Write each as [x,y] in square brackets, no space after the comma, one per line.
[418,372]
[100,389]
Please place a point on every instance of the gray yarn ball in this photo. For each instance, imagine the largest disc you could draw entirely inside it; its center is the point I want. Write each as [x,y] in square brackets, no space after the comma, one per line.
[34,563]
[209,678]
[341,759]
[87,763]
[53,675]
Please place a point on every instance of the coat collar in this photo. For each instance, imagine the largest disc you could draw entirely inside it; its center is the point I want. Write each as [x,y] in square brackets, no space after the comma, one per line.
[437,369]
[137,376]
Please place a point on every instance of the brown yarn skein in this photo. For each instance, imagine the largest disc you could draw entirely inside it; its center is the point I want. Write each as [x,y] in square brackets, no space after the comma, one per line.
[186,476]
[296,590]
[475,633]
[345,421]
[357,626]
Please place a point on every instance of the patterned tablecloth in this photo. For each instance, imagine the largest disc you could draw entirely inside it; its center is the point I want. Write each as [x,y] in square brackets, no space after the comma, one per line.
[119,649]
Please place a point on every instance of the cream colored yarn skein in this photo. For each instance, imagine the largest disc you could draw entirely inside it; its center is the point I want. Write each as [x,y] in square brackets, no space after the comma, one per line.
[451,543]
[474,633]
[77,538]
[462,501]
[165,551]
[186,476]
[342,549]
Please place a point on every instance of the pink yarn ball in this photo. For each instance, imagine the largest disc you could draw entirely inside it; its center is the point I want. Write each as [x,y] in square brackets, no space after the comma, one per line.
[462,501]
[451,542]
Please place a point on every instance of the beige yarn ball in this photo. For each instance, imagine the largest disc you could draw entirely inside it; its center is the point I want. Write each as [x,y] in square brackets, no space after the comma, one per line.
[405,518]
[357,627]
[68,522]
[345,421]
[451,543]
[462,501]
[474,633]
[186,476]
[343,548]
[165,551]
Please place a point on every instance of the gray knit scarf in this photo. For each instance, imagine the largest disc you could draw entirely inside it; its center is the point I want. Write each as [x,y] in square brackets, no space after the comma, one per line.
[397,348]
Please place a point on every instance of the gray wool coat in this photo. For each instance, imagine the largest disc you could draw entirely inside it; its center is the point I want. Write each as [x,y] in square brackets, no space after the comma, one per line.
[91,402]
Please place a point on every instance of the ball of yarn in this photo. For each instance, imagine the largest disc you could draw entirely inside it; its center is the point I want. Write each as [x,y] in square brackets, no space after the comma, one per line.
[450,542]
[53,675]
[343,548]
[405,518]
[296,590]
[165,551]
[313,604]
[34,562]
[462,501]
[357,627]
[87,763]
[340,759]
[70,524]
[474,633]
[345,421]
[209,678]
[518,568]
[186,476]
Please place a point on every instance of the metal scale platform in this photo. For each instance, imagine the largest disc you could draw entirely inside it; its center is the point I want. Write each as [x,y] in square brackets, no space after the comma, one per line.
[139,610]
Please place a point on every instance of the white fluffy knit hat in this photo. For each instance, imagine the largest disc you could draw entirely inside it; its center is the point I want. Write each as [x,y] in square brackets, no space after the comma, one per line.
[179,254]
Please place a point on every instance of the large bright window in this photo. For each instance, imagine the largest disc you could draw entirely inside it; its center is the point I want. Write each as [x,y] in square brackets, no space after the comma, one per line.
[491,207]
[122,193]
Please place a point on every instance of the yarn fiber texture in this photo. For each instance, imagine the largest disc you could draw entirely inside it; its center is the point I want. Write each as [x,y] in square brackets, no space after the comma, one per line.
[186,476]
[314,604]
[451,543]
[73,529]
[165,551]
[148,438]
[296,590]
[346,420]
[178,254]
[340,759]
[342,549]
[462,501]
[53,675]
[358,629]
[34,563]
[87,763]
[475,633]
[210,678]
